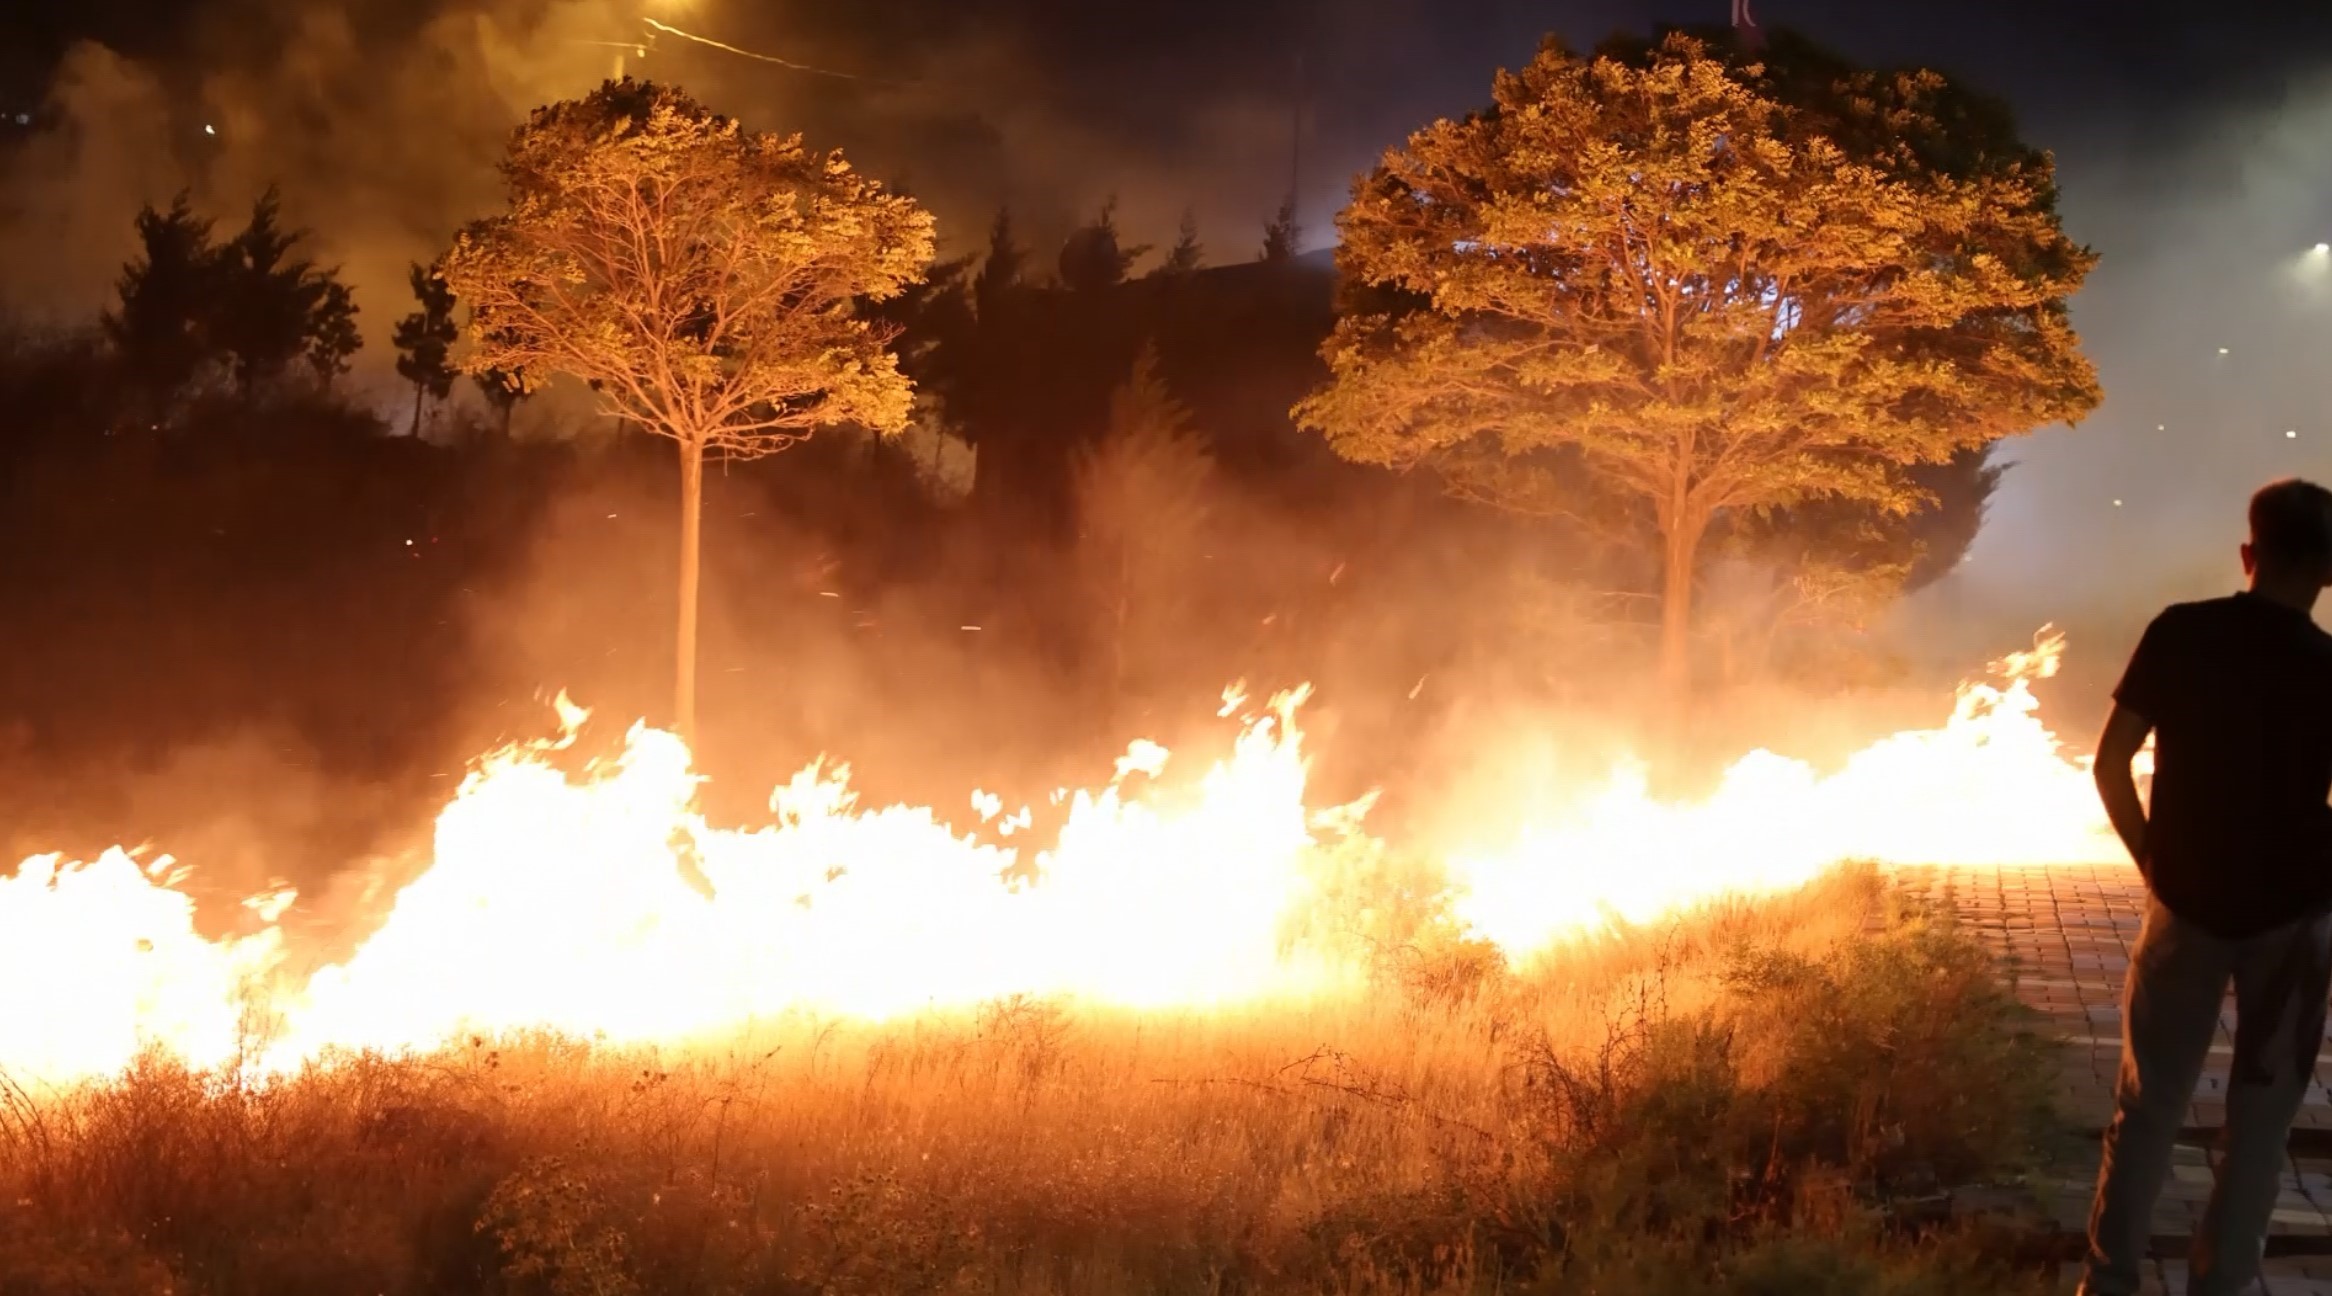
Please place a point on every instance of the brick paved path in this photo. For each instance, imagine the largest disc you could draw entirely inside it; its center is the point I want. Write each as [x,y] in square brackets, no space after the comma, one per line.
[2065,934]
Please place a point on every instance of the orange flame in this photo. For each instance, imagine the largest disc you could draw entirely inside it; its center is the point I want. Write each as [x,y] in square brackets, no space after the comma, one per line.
[565,902]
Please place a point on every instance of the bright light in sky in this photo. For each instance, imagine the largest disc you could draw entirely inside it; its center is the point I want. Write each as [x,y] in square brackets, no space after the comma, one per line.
[2322,249]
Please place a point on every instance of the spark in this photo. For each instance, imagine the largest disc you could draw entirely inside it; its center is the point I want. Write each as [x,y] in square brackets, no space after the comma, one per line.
[209,129]
[2291,434]
[671,30]
[2117,503]
[2222,351]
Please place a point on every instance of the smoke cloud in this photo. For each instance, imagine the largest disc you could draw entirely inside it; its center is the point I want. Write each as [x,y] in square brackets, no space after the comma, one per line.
[382,130]
[2210,317]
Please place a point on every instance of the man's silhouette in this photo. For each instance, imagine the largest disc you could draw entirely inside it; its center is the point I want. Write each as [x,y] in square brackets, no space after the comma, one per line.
[2236,849]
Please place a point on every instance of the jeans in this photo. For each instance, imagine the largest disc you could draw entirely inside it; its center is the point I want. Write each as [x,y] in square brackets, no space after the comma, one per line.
[2177,980]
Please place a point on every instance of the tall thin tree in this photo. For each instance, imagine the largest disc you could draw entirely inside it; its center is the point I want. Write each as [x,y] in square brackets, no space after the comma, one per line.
[706,281]
[425,338]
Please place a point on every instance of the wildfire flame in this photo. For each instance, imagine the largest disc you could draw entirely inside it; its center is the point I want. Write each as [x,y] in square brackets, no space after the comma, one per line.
[564,901]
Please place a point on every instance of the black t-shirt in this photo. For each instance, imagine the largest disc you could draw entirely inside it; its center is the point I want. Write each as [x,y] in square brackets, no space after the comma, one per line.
[2239,690]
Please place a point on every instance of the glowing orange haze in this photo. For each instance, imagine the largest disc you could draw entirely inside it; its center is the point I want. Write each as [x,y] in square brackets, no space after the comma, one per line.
[561,901]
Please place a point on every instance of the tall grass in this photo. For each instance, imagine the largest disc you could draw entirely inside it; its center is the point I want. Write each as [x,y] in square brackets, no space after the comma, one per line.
[1760,1098]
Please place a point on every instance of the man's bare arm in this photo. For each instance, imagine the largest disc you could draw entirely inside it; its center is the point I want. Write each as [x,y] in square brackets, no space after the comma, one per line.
[2117,785]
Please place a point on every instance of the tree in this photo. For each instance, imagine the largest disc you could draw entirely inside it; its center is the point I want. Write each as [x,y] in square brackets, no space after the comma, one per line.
[165,295]
[1188,253]
[272,307]
[1141,497]
[503,389]
[332,339]
[1283,236]
[425,338]
[1722,285]
[706,282]
[247,307]
[999,268]
[1093,259]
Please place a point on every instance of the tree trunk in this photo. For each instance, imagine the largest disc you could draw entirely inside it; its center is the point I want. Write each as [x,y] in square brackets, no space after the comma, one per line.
[1678,569]
[691,529]
[417,411]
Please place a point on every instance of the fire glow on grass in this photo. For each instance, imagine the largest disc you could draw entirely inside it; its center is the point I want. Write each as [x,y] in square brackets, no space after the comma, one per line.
[563,901]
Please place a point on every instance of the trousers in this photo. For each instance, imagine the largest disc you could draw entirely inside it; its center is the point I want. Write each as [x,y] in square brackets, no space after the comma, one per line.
[2177,981]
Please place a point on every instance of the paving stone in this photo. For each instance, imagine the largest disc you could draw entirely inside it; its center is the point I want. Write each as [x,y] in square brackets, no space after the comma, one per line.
[2064,937]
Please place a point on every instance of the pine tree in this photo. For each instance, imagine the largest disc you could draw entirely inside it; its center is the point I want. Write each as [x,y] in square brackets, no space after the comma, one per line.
[1283,236]
[1141,505]
[1187,253]
[161,327]
[1000,267]
[1093,258]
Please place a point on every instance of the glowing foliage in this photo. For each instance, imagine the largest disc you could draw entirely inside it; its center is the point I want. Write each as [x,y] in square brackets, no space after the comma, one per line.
[1716,285]
[704,280]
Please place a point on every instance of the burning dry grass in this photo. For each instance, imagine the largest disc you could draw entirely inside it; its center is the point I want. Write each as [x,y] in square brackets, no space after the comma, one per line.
[1752,1098]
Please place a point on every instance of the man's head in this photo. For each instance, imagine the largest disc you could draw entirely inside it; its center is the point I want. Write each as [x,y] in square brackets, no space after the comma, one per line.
[2291,534]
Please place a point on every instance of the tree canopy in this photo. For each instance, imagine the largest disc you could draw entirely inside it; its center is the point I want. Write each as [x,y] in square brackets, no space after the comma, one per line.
[246,308]
[705,281]
[1713,282]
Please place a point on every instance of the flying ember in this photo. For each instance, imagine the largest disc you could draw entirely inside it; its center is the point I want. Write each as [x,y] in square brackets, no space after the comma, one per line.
[564,901]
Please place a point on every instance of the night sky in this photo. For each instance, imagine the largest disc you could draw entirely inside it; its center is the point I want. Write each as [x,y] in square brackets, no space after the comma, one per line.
[2194,140]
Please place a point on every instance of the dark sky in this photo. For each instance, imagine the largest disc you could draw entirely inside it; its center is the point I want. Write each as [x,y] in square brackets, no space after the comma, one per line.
[2194,140]
[1146,73]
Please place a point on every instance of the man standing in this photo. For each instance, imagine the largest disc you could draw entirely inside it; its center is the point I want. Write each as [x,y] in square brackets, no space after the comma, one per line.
[2236,850]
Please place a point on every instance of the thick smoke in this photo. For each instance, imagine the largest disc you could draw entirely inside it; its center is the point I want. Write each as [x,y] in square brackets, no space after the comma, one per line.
[382,130]
[381,122]
[2210,317]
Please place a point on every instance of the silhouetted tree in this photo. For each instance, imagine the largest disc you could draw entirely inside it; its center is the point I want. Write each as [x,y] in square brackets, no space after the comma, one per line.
[1282,237]
[332,336]
[1093,258]
[706,282]
[159,328]
[1141,495]
[273,307]
[1188,253]
[425,338]
[1000,266]
[1725,286]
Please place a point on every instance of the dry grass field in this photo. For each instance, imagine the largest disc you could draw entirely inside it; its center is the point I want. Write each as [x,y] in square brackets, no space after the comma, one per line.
[1765,1097]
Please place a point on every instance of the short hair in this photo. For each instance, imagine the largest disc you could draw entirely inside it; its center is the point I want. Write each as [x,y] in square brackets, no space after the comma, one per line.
[2291,524]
